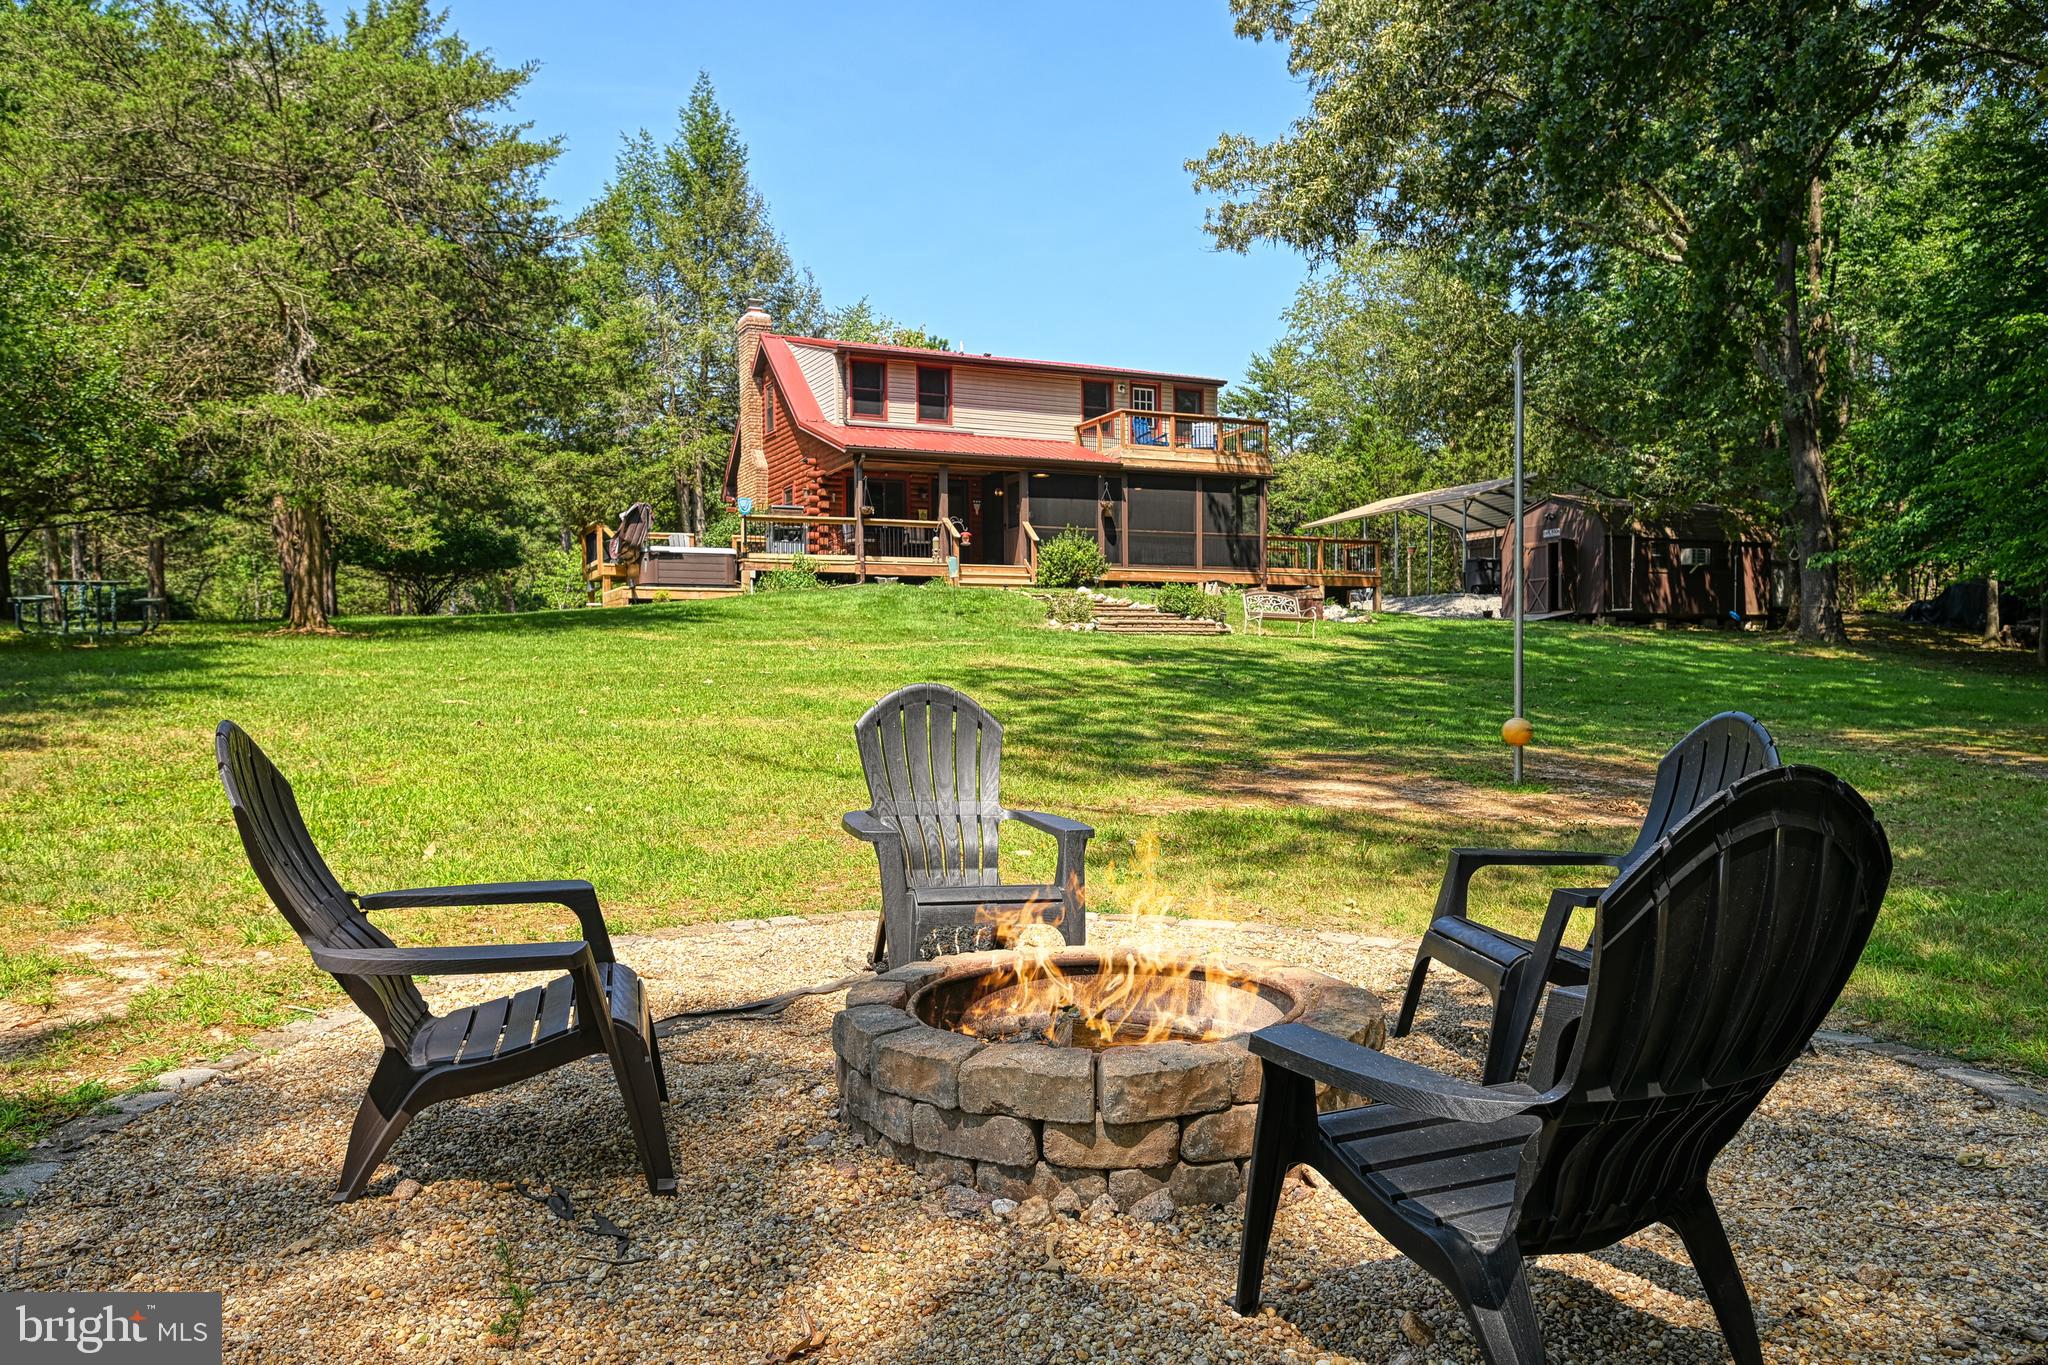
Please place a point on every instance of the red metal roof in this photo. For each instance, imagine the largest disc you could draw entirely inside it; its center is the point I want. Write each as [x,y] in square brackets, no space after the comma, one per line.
[802,405]
[996,361]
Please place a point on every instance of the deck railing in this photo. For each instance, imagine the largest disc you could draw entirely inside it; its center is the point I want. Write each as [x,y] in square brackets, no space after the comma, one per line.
[1323,555]
[880,538]
[1236,437]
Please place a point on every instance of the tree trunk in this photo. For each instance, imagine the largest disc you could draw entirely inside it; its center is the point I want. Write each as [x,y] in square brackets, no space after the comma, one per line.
[159,584]
[1820,610]
[78,552]
[52,564]
[1991,607]
[6,571]
[307,558]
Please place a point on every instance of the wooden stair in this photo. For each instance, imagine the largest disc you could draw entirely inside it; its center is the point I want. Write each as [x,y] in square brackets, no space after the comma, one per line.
[995,576]
[1142,619]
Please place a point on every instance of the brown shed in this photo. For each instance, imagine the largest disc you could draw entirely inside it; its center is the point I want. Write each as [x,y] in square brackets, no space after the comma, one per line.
[1592,557]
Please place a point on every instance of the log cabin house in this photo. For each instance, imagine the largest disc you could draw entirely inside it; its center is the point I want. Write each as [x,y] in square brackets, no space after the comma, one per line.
[890,461]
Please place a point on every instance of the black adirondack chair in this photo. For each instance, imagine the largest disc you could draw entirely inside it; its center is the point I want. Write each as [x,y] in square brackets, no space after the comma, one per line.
[1514,970]
[593,1003]
[933,758]
[1715,956]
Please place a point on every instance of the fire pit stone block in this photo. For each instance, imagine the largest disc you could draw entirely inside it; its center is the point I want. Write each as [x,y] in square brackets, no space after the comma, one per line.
[1030,1080]
[856,1029]
[1205,1183]
[1168,1080]
[1106,1146]
[996,1138]
[1128,1187]
[1222,1136]
[923,1063]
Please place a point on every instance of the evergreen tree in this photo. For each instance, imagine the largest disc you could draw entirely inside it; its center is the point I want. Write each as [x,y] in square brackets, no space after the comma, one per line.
[677,244]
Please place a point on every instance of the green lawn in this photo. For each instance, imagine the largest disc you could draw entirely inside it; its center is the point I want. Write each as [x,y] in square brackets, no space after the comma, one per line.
[693,759]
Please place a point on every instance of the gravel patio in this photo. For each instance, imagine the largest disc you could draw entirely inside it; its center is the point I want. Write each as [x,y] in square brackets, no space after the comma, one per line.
[1882,1212]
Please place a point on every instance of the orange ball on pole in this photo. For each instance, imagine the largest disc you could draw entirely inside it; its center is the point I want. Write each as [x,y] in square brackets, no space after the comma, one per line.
[1517,731]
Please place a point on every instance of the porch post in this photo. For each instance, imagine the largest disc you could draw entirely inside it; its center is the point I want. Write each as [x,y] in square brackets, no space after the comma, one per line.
[860,531]
[1123,520]
[946,510]
[1201,515]
[1379,568]
[1262,534]
[1101,496]
[1464,541]
[1024,519]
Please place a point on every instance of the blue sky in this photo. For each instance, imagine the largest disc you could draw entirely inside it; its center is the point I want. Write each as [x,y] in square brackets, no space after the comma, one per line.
[1008,176]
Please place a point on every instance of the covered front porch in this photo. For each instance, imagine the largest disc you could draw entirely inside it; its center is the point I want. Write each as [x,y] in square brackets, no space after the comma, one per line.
[985,523]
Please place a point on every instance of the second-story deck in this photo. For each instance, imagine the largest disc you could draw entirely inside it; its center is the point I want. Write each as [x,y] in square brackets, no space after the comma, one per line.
[1176,437]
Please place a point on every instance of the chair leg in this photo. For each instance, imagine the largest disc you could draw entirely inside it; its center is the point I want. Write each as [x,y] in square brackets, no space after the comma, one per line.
[385,1111]
[1285,1100]
[634,1068]
[1500,1311]
[1698,1223]
[1412,996]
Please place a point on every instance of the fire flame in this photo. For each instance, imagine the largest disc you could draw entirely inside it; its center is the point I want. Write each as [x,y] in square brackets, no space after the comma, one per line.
[1147,992]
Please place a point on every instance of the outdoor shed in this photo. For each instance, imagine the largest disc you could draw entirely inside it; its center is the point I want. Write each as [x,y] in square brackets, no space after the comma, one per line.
[1593,557]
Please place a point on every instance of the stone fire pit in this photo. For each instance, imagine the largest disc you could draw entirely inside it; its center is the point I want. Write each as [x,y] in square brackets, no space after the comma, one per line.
[1015,1119]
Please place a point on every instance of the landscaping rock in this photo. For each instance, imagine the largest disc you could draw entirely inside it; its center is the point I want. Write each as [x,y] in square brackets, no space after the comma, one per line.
[1128,1187]
[1157,1207]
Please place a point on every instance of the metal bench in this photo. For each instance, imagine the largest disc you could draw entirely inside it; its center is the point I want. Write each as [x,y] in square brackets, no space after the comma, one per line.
[1261,607]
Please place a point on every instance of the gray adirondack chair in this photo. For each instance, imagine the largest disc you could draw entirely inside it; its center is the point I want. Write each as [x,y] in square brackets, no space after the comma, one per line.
[1514,970]
[593,1003]
[933,759]
[1714,958]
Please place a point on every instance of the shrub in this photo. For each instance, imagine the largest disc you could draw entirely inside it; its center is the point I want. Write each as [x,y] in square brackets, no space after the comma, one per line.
[720,530]
[797,574]
[1185,599]
[1071,609]
[1069,560]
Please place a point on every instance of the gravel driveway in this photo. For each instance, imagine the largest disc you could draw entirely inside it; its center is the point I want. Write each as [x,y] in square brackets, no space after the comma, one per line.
[1880,1211]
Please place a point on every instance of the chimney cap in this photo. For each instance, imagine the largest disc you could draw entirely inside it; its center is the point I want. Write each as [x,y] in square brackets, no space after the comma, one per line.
[757,305]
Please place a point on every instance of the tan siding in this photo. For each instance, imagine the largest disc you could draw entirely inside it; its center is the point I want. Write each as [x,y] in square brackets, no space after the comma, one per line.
[821,370]
[990,401]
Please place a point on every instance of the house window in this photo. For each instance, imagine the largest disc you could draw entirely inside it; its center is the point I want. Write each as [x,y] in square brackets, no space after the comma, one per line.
[1145,397]
[1187,400]
[934,394]
[768,412]
[1096,398]
[869,380]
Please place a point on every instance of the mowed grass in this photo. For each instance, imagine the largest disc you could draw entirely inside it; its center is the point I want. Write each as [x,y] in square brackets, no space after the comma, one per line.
[693,760]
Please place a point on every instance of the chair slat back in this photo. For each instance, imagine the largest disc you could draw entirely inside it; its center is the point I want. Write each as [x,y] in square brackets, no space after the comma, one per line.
[1715,958]
[1720,751]
[933,759]
[282,854]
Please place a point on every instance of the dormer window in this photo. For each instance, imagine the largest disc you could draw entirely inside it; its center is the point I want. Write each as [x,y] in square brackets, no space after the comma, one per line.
[868,381]
[934,394]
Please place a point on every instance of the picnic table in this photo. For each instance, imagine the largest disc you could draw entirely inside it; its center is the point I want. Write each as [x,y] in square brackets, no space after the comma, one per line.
[90,606]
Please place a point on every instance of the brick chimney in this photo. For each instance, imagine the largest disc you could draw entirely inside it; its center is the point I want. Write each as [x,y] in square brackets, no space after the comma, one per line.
[751,479]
